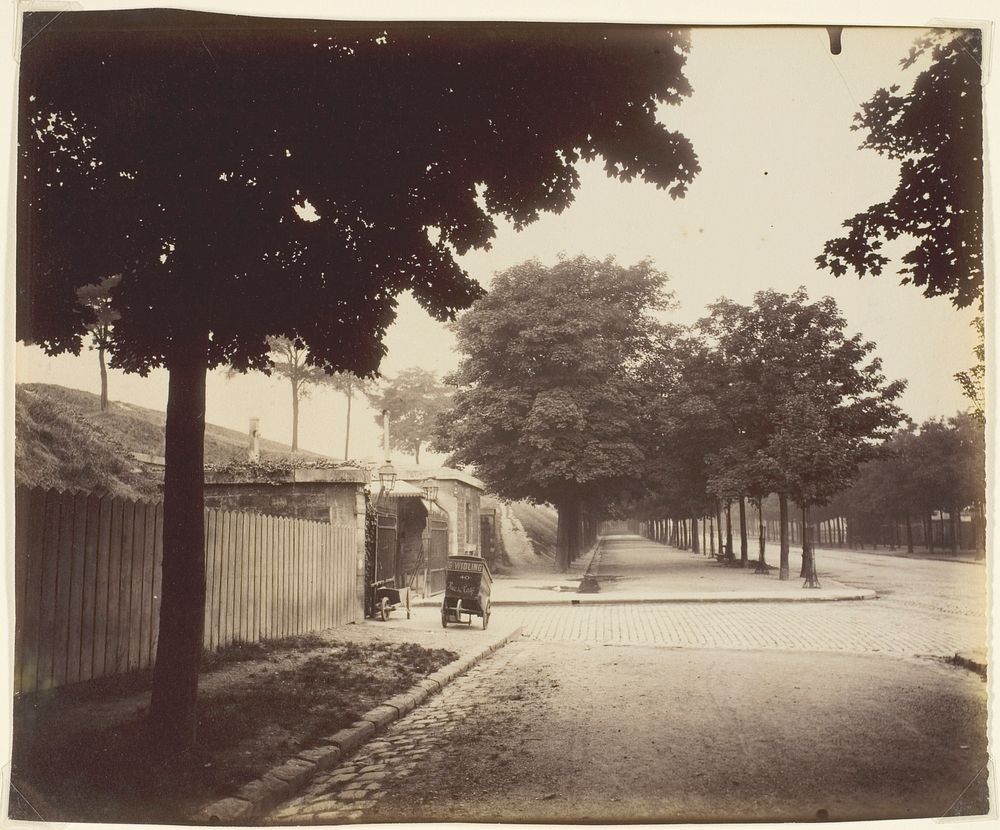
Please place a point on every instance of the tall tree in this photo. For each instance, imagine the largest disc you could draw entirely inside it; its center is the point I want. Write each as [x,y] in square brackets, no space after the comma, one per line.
[254,177]
[288,357]
[547,404]
[414,398]
[101,314]
[935,131]
[347,383]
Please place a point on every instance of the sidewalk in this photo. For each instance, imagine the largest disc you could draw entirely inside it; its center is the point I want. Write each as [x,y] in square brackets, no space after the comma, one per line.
[634,569]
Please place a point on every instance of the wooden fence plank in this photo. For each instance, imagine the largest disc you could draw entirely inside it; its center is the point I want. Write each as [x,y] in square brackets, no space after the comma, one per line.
[135,616]
[246,582]
[22,511]
[146,587]
[60,643]
[125,587]
[117,531]
[44,523]
[220,576]
[78,563]
[101,586]
[210,605]
[157,582]
[253,622]
[93,523]
[285,542]
[226,574]
[272,577]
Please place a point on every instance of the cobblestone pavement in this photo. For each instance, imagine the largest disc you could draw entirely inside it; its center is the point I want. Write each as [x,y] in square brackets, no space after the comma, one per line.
[345,793]
[354,790]
[869,626]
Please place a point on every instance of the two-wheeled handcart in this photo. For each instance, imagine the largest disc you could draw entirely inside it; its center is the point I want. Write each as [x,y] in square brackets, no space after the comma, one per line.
[466,590]
[386,597]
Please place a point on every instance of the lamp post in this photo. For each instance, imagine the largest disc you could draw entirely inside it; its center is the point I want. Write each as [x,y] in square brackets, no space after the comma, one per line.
[386,473]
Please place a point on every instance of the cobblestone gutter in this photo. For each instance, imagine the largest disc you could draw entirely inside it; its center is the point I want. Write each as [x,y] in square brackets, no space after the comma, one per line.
[259,797]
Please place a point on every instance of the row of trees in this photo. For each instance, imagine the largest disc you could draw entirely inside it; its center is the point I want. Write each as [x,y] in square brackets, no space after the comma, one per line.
[936,468]
[572,393]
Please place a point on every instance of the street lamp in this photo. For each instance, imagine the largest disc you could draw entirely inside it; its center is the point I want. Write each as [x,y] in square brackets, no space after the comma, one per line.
[387,476]
[430,489]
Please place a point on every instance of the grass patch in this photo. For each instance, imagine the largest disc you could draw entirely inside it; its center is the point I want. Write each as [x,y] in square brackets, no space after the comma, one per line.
[80,754]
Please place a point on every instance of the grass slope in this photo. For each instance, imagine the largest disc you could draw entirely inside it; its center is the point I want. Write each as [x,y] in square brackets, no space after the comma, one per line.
[62,440]
[540,524]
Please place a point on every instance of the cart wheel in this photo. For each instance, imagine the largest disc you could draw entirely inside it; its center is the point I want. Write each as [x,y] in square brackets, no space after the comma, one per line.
[383,609]
[486,617]
[444,614]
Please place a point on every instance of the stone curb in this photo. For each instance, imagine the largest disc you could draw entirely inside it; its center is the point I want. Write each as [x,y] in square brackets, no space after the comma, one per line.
[611,599]
[279,784]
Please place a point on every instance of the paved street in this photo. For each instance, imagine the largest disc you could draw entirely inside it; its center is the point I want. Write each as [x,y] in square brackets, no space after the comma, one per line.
[698,711]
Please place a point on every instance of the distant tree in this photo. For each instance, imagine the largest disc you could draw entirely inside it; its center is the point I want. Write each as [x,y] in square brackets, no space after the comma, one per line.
[101,316]
[347,383]
[936,133]
[253,177]
[288,358]
[809,403]
[414,398]
[547,406]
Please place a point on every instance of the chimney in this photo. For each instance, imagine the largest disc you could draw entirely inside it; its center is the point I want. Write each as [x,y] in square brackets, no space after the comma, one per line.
[254,450]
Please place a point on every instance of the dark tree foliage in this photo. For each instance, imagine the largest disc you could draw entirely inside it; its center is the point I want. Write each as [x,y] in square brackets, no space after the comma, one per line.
[548,404]
[683,425]
[252,177]
[936,133]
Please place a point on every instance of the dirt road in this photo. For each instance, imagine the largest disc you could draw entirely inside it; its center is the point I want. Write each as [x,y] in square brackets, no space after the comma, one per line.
[570,731]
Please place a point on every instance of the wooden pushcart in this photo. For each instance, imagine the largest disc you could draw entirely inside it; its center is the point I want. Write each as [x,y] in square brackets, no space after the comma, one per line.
[466,590]
[386,597]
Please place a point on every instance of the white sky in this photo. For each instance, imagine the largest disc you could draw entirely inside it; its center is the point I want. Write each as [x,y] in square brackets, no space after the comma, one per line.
[770,120]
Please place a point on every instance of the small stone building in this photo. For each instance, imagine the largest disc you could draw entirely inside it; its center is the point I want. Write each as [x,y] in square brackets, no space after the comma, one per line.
[311,490]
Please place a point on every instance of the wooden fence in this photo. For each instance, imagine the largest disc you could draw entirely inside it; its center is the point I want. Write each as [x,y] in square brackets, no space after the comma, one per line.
[88,571]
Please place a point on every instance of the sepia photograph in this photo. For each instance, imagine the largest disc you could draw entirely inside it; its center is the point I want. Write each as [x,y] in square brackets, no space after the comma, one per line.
[509,416]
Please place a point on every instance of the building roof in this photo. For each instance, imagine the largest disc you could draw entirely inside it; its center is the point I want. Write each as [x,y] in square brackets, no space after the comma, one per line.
[418,474]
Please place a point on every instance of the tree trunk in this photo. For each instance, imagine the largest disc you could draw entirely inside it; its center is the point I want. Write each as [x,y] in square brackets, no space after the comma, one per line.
[804,541]
[955,520]
[417,455]
[930,532]
[743,532]
[295,415]
[104,377]
[980,531]
[711,535]
[783,533]
[909,533]
[718,526]
[173,707]
[760,531]
[729,529]
[568,532]
[694,535]
[347,430]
